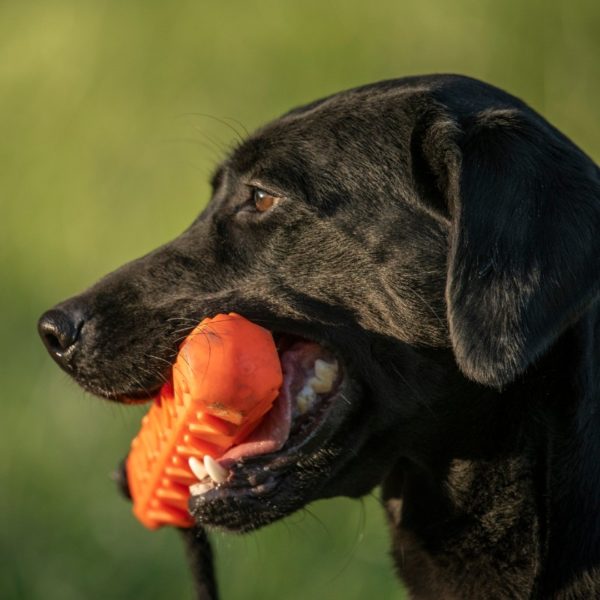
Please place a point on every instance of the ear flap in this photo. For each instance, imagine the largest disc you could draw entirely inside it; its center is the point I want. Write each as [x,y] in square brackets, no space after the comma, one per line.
[524,257]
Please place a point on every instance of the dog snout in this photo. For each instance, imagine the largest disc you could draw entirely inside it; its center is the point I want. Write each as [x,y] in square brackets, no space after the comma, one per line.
[60,330]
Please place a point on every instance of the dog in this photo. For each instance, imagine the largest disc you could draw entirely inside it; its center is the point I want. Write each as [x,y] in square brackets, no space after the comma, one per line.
[439,242]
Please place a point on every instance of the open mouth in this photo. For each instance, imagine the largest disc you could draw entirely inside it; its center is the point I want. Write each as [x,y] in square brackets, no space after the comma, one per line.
[313,380]
[272,470]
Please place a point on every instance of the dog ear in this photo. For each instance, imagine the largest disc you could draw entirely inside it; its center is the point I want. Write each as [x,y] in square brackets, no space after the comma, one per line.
[524,255]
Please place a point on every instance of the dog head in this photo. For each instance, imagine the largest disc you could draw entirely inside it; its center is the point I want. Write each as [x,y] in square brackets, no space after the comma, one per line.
[431,234]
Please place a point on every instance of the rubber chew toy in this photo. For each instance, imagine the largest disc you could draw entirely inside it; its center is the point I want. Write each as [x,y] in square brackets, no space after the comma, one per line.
[226,377]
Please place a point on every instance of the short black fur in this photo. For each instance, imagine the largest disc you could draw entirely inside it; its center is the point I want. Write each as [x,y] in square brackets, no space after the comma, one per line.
[444,240]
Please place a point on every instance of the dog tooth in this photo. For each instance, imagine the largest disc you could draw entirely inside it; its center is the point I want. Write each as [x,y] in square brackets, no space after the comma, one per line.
[302,404]
[215,471]
[326,371]
[197,468]
[307,392]
[319,385]
[197,489]
[306,398]
[325,375]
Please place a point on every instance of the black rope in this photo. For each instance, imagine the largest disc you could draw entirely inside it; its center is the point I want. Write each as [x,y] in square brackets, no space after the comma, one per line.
[200,559]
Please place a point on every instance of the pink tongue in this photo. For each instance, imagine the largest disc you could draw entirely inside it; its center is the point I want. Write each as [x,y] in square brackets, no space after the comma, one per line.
[274,429]
[272,432]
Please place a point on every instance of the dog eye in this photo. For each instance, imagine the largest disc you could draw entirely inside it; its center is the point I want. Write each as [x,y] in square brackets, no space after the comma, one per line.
[262,200]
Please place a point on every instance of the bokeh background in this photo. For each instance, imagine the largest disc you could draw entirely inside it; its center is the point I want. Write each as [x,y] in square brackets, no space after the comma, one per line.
[112,114]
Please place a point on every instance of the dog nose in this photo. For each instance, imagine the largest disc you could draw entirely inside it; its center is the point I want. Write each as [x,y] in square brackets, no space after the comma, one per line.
[60,332]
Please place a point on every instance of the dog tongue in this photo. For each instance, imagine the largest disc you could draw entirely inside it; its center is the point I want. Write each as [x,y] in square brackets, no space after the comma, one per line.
[270,435]
[274,429]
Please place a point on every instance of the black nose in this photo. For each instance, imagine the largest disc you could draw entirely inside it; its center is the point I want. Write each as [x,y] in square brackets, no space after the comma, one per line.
[60,331]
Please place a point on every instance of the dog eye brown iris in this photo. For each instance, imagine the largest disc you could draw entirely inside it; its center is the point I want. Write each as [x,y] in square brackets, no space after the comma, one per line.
[263,201]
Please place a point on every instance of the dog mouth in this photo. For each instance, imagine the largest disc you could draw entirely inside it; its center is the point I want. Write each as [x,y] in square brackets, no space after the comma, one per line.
[312,379]
[298,422]
[281,465]
[310,408]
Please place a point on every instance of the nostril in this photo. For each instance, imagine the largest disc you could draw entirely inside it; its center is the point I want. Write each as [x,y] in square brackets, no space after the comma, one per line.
[59,331]
[52,342]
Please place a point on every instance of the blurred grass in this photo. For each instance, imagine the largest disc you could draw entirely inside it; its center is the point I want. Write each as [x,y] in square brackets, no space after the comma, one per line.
[104,153]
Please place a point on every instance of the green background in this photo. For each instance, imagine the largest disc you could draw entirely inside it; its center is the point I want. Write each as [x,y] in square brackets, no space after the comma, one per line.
[105,148]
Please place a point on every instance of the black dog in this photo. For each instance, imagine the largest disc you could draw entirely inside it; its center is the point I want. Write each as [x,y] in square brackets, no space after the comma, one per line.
[442,241]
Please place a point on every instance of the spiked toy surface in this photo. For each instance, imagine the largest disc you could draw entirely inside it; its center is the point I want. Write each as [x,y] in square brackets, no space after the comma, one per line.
[225,379]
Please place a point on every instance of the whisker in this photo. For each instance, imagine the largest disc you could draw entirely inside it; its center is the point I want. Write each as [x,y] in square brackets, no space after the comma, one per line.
[137,383]
[430,307]
[417,396]
[221,147]
[216,153]
[343,397]
[220,120]
[158,358]
[238,122]
[179,330]
[182,319]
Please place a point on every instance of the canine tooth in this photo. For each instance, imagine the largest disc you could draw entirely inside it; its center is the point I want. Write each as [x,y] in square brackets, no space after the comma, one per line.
[215,471]
[197,468]
[197,489]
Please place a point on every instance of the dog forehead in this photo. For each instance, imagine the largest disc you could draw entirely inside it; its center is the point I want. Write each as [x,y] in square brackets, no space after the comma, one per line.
[333,138]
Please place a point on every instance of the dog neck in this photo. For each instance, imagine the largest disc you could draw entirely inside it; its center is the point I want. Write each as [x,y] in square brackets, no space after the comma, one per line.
[573,554]
[470,520]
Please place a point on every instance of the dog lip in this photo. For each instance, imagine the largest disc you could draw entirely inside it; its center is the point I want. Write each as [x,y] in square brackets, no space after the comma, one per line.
[134,396]
[123,396]
[134,399]
[262,489]
[262,475]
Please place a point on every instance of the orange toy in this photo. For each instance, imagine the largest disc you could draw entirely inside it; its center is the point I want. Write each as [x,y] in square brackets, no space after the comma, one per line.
[226,377]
